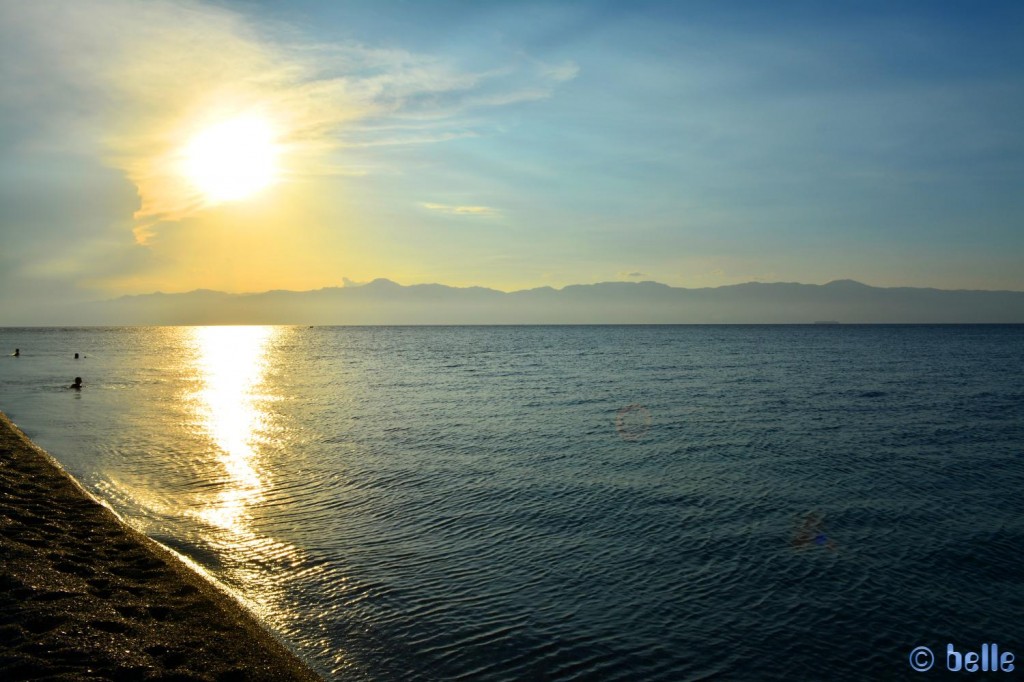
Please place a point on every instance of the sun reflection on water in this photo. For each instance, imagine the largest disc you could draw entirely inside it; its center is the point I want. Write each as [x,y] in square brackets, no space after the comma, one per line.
[231,409]
[231,364]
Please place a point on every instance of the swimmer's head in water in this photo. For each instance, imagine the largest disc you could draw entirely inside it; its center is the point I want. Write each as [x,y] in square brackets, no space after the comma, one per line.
[76,356]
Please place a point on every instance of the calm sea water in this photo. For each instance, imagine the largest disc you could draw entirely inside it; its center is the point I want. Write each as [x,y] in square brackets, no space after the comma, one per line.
[633,503]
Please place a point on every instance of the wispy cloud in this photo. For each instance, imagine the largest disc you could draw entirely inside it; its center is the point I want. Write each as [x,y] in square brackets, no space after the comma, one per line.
[561,73]
[393,140]
[138,80]
[462,210]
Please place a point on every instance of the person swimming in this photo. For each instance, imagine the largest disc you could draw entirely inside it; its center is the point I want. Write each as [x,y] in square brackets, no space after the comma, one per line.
[17,352]
[76,356]
[77,385]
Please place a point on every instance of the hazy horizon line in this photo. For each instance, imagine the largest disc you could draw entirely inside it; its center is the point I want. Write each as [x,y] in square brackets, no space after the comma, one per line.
[388,281]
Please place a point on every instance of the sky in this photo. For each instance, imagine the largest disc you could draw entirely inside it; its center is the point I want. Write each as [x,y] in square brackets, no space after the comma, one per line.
[506,144]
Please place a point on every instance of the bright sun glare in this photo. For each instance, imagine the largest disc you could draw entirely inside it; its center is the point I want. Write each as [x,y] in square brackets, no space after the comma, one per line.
[233,159]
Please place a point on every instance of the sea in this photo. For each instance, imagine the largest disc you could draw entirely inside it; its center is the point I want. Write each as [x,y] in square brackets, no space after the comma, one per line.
[565,502]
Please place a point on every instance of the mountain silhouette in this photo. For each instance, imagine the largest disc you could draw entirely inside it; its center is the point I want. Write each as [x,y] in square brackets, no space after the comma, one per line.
[383,301]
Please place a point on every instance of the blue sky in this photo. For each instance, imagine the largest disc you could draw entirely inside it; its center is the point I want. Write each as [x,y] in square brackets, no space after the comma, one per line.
[526,144]
[859,136]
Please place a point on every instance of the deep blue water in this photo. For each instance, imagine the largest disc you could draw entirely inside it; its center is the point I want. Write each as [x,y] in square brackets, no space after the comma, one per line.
[607,502]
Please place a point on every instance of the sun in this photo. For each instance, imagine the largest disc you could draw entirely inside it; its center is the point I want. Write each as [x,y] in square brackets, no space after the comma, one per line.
[233,159]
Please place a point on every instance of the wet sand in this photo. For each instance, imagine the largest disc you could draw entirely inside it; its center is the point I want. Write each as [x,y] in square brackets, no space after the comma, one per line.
[82,596]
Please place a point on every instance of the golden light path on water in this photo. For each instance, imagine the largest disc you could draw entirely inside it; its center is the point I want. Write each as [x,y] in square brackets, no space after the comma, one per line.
[212,484]
[231,363]
[231,407]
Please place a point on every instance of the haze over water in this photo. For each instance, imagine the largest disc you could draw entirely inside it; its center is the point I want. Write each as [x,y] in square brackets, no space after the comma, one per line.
[479,503]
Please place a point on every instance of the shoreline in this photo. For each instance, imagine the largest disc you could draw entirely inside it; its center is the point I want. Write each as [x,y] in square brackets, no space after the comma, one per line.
[84,595]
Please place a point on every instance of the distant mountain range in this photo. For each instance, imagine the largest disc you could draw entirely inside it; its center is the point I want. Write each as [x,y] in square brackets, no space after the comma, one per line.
[385,302]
